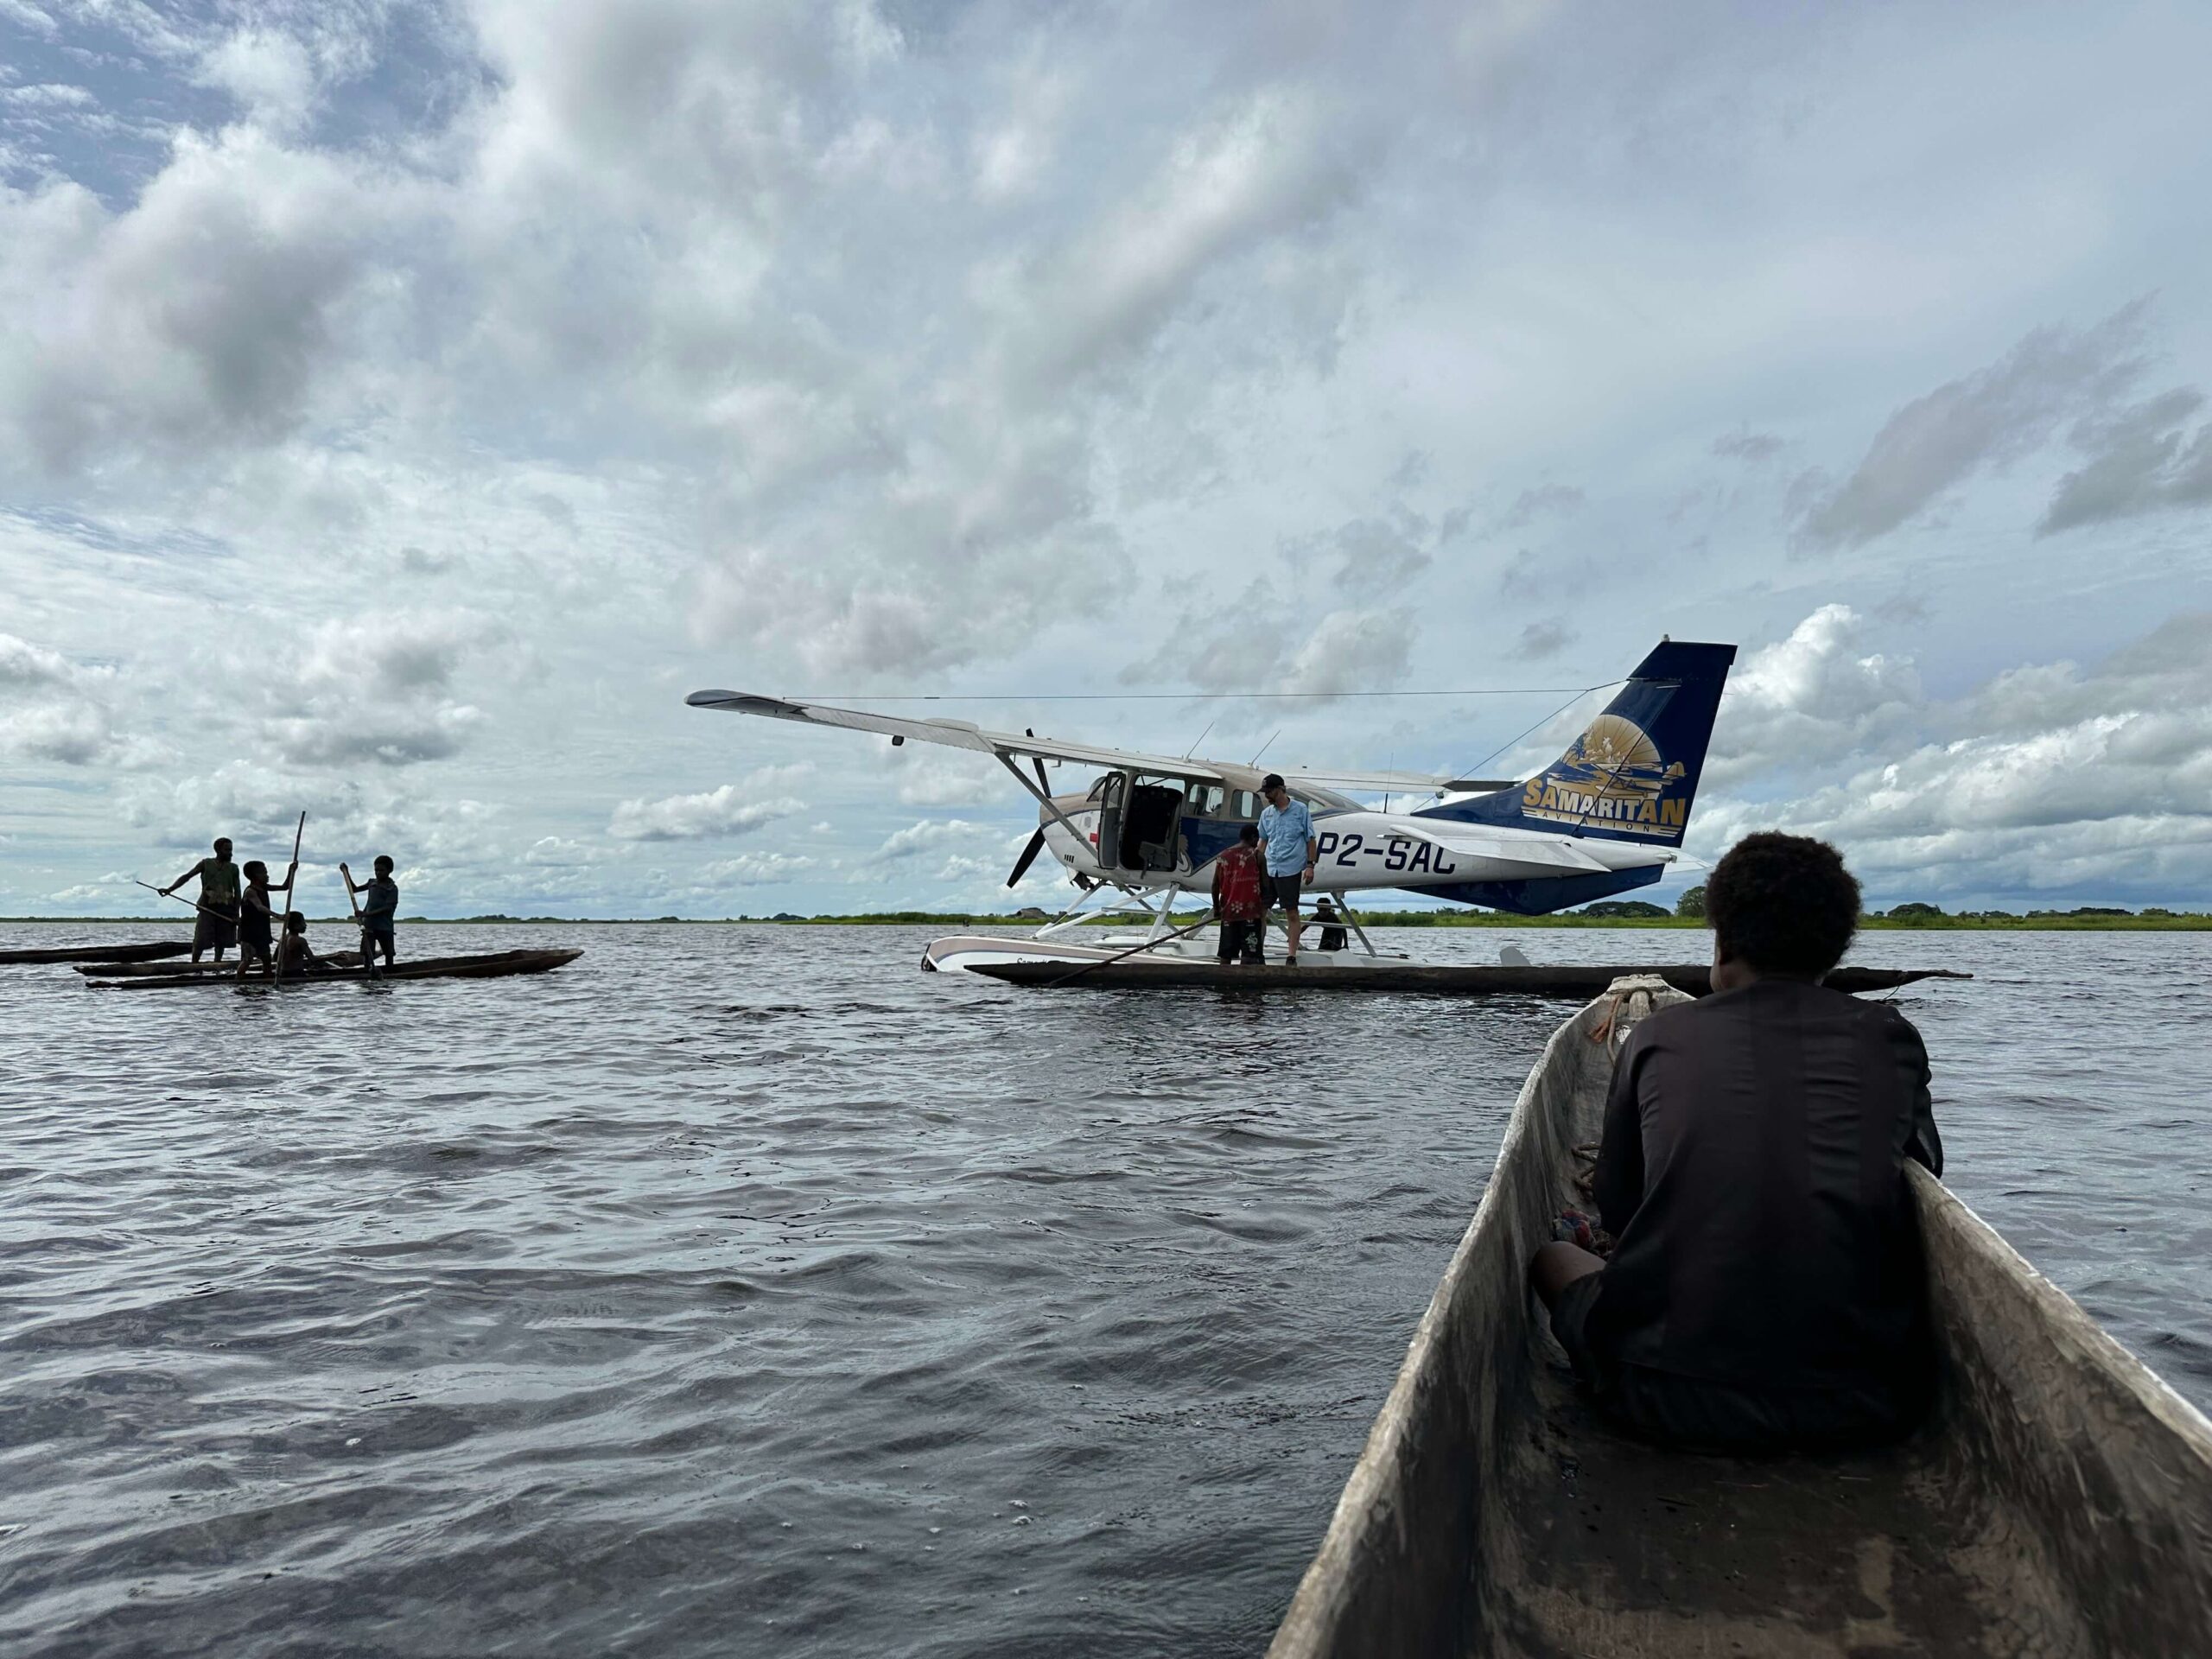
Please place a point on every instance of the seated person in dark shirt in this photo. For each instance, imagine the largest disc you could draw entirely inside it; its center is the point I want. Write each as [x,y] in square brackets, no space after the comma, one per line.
[1331,923]
[1765,1290]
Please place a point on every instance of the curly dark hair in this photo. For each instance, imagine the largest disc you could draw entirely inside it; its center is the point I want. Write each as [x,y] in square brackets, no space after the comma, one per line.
[1783,904]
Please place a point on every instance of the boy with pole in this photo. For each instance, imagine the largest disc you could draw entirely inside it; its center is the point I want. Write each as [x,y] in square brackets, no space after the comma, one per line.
[256,913]
[377,914]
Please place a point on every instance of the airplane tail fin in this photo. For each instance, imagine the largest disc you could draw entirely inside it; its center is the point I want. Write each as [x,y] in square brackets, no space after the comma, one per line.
[1633,773]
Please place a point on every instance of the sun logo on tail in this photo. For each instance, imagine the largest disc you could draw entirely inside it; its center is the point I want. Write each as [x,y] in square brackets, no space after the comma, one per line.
[1613,775]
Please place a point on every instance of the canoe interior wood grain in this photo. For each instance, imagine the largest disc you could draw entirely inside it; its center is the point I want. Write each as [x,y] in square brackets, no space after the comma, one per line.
[2059,1503]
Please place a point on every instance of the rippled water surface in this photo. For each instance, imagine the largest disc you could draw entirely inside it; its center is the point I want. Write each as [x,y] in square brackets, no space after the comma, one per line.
[744,1290]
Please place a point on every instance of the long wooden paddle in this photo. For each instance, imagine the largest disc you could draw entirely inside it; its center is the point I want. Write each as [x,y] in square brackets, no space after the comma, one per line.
[1133,951]
[180,898]
[291,880]
[368,956]
[293,875]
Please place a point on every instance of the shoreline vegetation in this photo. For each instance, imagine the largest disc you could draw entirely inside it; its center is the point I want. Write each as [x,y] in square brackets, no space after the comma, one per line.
[1903,918]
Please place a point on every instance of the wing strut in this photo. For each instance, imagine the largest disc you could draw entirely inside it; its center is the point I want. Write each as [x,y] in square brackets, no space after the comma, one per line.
[1043,800]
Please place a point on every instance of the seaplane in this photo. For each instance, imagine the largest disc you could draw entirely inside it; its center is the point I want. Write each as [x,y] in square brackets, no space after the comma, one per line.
[1608,816]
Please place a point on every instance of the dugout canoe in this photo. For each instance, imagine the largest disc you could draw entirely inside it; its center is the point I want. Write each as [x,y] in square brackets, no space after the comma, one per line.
[157,969]
[1570,982]
[2059,1503]
[499,964]
[150,952]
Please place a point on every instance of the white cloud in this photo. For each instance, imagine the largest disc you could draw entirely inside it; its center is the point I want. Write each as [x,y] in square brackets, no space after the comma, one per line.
[1541,501]
[377,688]
[2143,459]
[408,401]
[925,836]
[757,869]
[2047,778]
[1805,701]
[205,314]
[561,852]
[928,776]
[46,95]
[731,810]
[24,664]
[1273,165]
[25,15]
[51,708]
[74,734]
[1993,416]
[1262,642]
[268,73]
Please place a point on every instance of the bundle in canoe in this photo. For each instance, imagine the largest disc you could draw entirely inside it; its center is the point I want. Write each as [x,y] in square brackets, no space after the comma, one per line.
[2058,1502]
[150,952]
[1579,984]
[495,965]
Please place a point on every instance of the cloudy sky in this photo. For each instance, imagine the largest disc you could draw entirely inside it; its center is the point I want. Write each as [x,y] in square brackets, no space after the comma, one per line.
[404,405]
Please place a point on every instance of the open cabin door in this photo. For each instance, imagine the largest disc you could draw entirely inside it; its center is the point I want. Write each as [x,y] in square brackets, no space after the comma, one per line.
[1140,824]
[1112,796]
[1151,826]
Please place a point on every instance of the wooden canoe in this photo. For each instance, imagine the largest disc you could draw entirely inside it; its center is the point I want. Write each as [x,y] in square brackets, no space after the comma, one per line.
[1569,981]
[101,952]
[228,965]
[2059,1503]
[495,965]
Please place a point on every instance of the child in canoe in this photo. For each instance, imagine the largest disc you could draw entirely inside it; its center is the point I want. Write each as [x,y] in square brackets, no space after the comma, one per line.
[294,956]
[379,907]
[256,914]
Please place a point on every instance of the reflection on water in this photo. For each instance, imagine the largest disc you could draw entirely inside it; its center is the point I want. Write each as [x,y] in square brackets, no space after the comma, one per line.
[745,1290]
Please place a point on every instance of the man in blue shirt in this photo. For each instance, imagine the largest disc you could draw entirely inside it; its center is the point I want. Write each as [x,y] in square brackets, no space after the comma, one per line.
[1287,828]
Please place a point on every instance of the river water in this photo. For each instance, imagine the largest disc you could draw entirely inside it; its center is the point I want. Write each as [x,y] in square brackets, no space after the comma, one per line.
[745,1290]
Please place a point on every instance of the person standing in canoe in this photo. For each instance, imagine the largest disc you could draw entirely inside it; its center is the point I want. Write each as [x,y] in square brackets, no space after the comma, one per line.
[1766,1289]
[217,926]
[1238,901]
[255,914]
[379,908]
[1287,828]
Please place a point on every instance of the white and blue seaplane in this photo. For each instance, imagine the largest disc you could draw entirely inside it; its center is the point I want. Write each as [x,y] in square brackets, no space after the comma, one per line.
[1607,816]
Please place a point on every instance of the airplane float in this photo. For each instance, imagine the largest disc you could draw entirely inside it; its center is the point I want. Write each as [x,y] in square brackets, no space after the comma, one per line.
[1606,816]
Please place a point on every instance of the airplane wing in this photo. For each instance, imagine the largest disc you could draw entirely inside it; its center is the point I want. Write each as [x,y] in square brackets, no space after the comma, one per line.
[960,734]
[1397,783]
[964,735]
[1546,852]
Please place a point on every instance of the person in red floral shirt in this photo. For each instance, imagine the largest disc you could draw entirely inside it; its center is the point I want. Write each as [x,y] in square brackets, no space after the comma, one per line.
[1238,900]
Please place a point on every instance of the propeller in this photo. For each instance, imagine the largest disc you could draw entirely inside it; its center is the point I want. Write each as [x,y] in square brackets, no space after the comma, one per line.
[1036,841]
[1028,857]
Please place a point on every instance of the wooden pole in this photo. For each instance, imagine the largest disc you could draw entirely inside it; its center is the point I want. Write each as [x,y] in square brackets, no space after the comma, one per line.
[1136,950]
[368,960]
[291,880]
